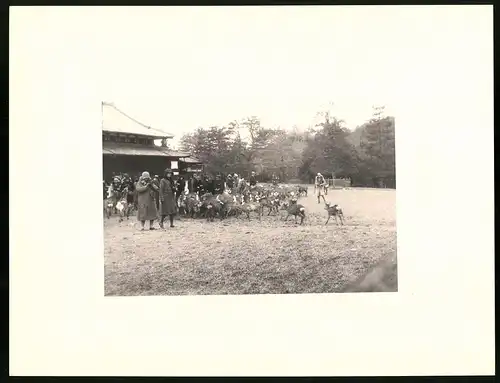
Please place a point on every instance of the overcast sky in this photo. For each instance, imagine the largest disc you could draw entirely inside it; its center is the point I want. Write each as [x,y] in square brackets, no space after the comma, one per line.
[178,68]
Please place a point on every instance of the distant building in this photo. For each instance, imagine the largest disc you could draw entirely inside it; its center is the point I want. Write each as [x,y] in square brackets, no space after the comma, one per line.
[128,147]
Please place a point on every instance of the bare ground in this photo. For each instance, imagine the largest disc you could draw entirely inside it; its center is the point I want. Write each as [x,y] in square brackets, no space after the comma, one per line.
[237,256]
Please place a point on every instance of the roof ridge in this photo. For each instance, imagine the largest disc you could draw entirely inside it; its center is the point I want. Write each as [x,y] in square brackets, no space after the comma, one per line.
[126,115]
[133,119]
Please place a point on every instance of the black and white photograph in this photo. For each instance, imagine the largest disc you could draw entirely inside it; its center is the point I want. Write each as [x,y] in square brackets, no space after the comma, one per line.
[251,191]
[261,165]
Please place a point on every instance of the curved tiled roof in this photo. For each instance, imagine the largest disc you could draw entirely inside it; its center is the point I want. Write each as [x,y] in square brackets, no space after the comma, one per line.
[116,121]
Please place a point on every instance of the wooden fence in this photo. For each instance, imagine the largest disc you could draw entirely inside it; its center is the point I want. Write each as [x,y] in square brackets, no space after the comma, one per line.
[339,182]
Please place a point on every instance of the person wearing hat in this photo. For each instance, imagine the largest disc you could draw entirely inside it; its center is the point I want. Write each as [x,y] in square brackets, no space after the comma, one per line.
[146,205]
[319,184]
[115,184]
[129,185]
[167,198]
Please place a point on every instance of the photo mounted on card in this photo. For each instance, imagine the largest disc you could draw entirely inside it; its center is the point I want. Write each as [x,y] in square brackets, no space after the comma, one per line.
[280,194]
[251,206]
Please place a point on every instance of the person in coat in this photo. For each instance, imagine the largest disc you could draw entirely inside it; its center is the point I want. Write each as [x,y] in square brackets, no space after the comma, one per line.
[253,179]
[136,180]
[218,185]
[104,190]
[193,184]
[168,205]
[208,184]
[146,204]
[156,182]
[130,185]
[202,185]
[230,182]
[181,185]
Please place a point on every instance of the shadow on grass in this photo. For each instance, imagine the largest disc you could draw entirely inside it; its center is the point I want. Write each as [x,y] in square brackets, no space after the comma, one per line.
[383,277]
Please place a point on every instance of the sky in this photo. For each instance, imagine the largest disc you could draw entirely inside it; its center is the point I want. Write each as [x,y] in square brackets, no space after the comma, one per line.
[179,68]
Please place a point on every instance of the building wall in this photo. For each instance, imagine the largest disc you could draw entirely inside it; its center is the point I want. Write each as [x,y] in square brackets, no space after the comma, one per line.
[135,165]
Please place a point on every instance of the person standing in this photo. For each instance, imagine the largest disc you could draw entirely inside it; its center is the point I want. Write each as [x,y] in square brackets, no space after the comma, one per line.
[156,182]
[202,185]
[146,191]
[189,184]
[218,184]
[114,191]
[136,181]
[208,185]
[104,190]
[167,198]
[129,186]
[181,185]
[319,184]
[253,180]
[195,184]
[275,179]
[230,182]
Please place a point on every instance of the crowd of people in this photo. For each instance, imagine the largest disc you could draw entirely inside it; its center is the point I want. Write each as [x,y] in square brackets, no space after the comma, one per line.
[158,197]
[154,197]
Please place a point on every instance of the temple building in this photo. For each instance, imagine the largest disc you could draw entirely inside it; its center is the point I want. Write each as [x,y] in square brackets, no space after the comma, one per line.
[128,146]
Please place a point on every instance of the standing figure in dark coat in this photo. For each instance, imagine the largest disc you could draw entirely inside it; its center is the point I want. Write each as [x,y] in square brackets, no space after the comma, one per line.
[156,182]
[181,185]
[253,179]
[218,185]
[208,184]
[135,191]
[193,184]
[168,205]
[202,185]
[146,191]
[129,184]
[104,190]
[189,183]
[199,185]
[230,182]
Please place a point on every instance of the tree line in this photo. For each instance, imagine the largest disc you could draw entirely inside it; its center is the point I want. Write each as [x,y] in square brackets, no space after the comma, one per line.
[366,154]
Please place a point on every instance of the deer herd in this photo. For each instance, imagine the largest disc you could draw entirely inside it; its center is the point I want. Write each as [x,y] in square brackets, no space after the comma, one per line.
[259,201]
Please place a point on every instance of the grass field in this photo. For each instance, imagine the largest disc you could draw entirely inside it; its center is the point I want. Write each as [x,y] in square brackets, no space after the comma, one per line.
[237,256]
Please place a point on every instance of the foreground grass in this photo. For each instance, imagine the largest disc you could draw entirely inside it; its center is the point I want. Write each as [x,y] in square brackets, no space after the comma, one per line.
[237,256]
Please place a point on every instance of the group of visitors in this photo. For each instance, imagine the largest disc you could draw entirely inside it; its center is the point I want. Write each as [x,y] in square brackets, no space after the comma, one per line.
[155,197]
[151,196]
